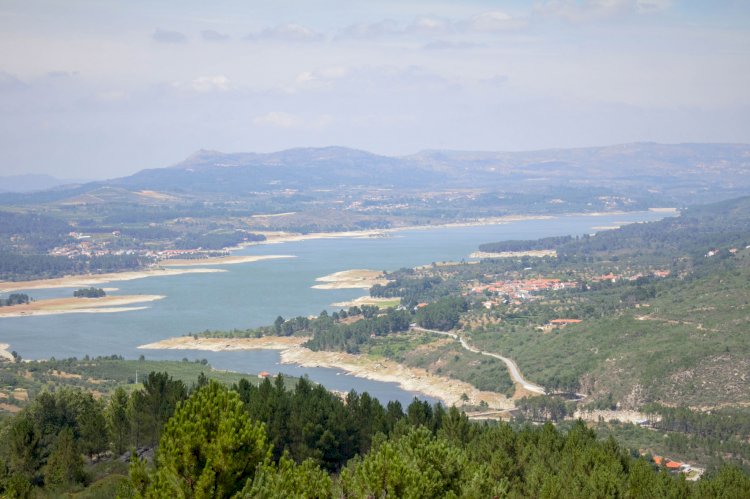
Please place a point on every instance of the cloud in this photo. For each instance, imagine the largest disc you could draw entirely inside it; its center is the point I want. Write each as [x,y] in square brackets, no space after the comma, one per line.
[166,36]
[205,84]
[369,80]
[647,6]
[371,30]
[318,79]
[210,83]
[281,119]
[289,32]
[214,36]
[593,10]
[493,21]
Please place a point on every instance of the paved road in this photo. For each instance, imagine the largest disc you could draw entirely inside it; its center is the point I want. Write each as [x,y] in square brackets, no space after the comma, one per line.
[515,373]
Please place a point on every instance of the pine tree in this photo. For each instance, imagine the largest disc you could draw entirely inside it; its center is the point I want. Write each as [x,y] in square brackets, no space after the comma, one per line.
[209,448]
[118,422]
[65,463]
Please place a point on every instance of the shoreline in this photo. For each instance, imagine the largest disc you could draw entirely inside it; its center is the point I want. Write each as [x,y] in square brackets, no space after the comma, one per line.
[449,391]
[58,306]
[276,237]
[220,260]
[368,300]
[85,280]
[351,279]
[5,352]
[513,254]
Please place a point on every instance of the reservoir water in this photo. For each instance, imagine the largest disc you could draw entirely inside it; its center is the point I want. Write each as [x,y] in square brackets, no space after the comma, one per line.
[254,294]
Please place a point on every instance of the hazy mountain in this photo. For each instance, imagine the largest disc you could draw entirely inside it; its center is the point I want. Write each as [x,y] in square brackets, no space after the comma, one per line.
[682,171]
[33,182]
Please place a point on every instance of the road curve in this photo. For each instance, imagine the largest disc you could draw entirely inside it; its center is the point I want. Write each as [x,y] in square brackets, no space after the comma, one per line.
[515,373]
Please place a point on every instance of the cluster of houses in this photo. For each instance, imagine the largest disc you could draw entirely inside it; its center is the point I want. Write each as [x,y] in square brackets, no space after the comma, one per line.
[610,277]
[85,245]
[522,289]
[678,467]
[716,251]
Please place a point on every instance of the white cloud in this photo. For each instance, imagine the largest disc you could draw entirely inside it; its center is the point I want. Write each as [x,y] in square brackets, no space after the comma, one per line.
[205,84]
[429,26]
[289,32]
[210,83]
[492,22]
[319,78]
[592,10]
[371,30]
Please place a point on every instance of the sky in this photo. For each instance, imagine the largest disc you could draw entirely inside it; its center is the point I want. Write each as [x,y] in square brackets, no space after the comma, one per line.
[104,88]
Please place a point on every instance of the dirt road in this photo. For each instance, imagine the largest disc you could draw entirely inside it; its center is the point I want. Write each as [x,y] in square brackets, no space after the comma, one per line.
[515,373]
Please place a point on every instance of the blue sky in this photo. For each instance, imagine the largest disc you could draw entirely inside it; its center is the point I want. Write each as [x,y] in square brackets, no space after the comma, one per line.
[102,88]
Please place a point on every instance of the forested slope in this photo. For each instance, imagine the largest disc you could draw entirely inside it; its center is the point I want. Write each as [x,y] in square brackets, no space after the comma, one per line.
[271,442]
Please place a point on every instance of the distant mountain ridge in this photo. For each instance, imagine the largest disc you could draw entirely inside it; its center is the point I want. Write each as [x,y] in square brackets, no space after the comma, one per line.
[684,170]
[33,182]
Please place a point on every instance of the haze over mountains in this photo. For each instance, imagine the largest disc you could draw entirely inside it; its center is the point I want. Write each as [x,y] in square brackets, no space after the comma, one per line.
[33,182]
[680,172]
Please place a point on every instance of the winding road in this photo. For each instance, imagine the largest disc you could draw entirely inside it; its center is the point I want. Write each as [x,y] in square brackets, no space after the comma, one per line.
[515,373]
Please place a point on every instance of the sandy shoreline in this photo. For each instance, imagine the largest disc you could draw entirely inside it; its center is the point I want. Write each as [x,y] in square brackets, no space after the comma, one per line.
[76,281]
[285,237]
[368,300]
[56,306]
[220,260]
[351,279]
[226,344]
[448,390]
[272,237]
[513,254]
[5,353]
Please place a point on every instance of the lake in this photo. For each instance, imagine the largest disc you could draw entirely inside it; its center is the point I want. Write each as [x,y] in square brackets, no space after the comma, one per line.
[254,294]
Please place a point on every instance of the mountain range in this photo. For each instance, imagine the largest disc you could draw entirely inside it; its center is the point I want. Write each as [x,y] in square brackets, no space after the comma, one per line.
[679,172]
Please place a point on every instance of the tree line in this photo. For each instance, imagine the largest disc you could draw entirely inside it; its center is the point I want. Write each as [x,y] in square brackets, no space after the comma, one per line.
[89,293]
[269,441]
[15,299]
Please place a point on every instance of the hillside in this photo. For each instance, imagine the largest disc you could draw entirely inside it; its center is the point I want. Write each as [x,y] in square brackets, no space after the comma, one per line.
[679,340]
[677,173]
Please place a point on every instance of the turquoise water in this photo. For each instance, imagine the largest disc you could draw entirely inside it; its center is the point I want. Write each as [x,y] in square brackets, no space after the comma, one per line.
[253,294]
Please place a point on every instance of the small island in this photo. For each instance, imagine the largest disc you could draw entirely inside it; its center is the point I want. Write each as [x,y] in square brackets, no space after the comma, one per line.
[91,292]
[15,299]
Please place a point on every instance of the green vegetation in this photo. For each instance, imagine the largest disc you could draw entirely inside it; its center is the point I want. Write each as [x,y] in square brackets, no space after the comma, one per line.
[24,381]
[443,358]
[89,293]
[15,299]
[216,240]
[21,267]
[268,441]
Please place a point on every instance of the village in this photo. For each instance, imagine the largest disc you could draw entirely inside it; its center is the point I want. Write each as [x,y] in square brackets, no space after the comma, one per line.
[87,245]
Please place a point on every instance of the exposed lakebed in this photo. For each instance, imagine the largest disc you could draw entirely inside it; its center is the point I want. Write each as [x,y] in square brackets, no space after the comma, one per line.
[255,293]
